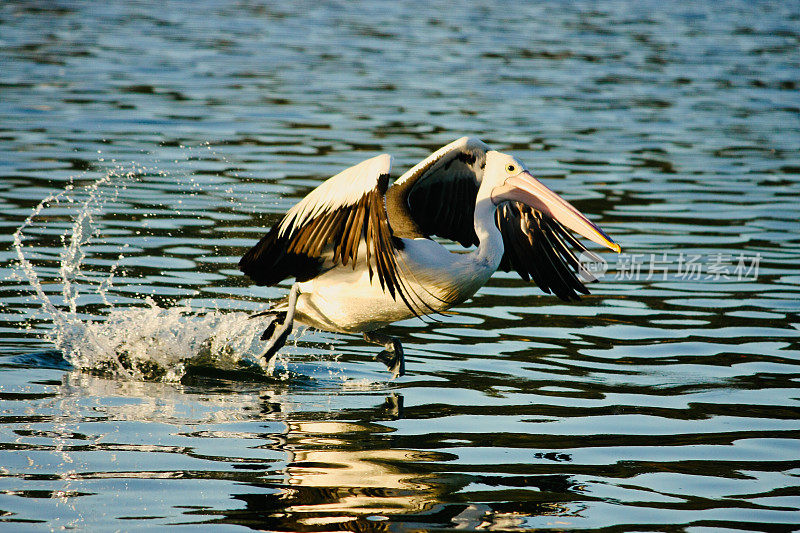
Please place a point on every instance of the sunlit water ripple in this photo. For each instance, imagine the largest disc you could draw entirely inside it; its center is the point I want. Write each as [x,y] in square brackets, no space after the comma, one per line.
[146,146]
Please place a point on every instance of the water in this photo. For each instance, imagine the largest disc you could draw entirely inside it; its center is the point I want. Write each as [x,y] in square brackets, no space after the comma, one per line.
[146,146]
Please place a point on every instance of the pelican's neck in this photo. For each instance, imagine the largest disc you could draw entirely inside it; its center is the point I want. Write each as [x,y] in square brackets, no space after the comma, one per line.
[490,241]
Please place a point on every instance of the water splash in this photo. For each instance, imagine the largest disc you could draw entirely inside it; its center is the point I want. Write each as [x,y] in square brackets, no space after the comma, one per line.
[141,340]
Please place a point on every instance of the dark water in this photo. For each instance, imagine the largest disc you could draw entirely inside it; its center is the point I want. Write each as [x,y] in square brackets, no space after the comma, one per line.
[667,400]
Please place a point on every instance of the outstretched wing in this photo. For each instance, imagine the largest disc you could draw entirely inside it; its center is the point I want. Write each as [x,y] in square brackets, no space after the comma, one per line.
[328,227]
[437,196]
[540,249]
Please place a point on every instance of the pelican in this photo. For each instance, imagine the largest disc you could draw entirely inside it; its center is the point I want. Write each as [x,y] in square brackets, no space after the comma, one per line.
[362,254]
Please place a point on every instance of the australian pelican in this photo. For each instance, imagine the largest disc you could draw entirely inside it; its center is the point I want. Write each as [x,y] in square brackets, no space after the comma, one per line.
[362,256]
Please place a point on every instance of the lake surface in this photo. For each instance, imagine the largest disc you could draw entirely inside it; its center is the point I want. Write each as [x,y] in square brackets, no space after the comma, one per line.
[149,144]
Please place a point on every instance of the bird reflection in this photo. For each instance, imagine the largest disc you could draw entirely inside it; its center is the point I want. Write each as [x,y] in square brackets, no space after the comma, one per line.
[350,475]
[341,471]
[331,467]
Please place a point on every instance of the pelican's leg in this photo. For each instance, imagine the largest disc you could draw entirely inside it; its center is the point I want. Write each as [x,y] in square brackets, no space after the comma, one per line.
[392,356]
[278,330]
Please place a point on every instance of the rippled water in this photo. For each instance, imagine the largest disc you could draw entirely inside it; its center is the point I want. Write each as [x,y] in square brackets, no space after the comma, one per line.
[172,134]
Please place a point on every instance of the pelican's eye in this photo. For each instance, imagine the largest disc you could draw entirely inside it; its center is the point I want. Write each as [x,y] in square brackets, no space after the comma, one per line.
[511,169]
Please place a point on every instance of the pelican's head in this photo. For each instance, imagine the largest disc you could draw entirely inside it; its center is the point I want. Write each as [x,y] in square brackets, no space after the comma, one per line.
[510,181]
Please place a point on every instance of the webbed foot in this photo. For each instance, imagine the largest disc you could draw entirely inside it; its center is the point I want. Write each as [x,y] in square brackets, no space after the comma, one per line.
[393,356]
[273,320]
[279,326]
[394,359]
[277,333]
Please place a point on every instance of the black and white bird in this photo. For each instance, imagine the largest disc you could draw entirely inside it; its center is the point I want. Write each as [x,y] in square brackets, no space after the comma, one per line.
[362,254]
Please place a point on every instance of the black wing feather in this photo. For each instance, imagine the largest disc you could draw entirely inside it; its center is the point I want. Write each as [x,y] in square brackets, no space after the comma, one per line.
[446,209]
[269,262]
[535,248]
[437,196]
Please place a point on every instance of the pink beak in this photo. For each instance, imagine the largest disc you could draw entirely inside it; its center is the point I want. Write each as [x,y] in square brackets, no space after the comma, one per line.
[526,189]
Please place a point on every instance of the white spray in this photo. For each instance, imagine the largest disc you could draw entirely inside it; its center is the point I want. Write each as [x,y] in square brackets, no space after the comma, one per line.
[136,341]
